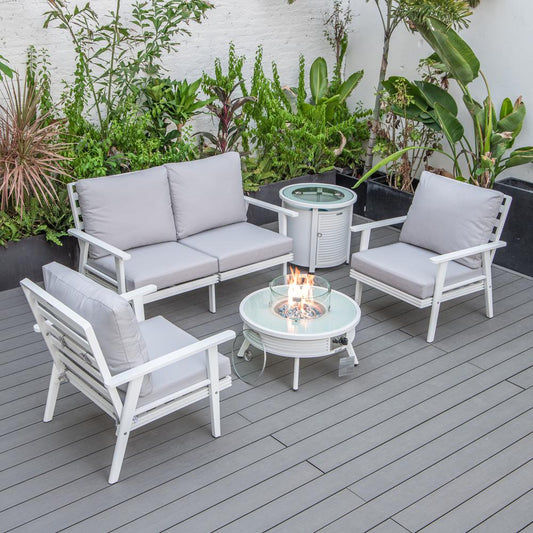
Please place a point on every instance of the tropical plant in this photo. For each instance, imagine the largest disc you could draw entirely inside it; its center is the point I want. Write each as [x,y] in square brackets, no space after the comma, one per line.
[171,103]
[494,131]
[5,70]
[113,56]
[224,105]
[31,159]
[410,12]
[398,130]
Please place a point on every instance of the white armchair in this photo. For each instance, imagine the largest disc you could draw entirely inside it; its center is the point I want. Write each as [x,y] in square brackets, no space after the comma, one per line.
[446,247]
[136,371]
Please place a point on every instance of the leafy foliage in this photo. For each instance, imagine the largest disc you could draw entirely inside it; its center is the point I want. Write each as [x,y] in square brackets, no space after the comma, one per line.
[224,105]
[292,134]
[113,56]
[171,102]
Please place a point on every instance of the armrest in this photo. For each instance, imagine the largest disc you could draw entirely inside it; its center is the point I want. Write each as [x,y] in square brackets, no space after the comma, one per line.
[270,207]
[169,358]
[378,224]
[136,297]
[82,236]
[452,256]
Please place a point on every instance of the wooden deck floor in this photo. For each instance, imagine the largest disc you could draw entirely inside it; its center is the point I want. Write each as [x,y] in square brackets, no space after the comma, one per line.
[423,437]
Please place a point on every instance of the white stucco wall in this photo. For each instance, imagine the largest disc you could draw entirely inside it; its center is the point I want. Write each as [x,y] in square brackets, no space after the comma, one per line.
[500,34]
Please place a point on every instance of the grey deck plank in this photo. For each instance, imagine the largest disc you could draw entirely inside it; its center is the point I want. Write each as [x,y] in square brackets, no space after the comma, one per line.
[514,517]
[413,420]
[501,489]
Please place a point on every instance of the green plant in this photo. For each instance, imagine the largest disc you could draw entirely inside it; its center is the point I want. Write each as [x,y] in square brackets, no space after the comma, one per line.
[31,156]
[171,102]
[5,70]
[52,220]
[224,105]
[410,12]
[292,134]
[398,130]
[38,77]
[113,56]
[494,132]
[126,146]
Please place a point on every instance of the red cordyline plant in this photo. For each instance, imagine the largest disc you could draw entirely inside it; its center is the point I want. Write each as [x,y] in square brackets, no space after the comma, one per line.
[30,151]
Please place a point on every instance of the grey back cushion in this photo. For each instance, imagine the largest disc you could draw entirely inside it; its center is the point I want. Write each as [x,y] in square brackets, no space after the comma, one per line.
[127,210]
[448,215]
[206,193]
[110,315]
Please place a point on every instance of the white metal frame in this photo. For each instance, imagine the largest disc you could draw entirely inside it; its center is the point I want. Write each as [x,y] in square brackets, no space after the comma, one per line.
[77,358]
[118,282]
[442,292]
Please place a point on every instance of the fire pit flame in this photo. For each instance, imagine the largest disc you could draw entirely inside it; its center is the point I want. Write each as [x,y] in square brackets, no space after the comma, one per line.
[301,293]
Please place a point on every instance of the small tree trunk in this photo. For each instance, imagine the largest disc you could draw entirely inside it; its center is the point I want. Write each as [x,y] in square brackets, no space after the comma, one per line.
[377,104]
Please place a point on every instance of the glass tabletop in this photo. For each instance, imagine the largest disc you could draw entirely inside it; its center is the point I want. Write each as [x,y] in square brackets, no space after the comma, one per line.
[317,194]
[256,311]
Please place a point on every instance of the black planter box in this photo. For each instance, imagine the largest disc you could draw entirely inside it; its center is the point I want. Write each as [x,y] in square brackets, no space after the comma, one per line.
[518,229]
[383,201]
[348,180]
[25,258]
[270,193]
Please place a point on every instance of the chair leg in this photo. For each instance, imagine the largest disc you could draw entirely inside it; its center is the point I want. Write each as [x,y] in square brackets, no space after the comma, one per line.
[212,299]
[489,309]
[124,428]
[358,292]
[53,391]
[435,308]
[214,392]
[118,454]
[284,269]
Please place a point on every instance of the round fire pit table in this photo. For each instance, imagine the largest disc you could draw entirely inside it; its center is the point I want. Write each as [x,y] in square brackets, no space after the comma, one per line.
[267,331]
[321,231]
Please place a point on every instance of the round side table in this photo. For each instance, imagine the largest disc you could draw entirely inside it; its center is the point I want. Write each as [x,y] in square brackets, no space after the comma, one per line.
[321,231]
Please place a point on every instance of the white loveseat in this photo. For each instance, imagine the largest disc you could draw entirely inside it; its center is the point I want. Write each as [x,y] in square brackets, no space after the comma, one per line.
[179,226]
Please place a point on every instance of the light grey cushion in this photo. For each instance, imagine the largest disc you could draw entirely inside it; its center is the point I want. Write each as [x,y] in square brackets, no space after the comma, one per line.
[407,268]
[206,193]
[127,210]
[110,315]
[240,244]
[164,265]
[448,215]
[163,337]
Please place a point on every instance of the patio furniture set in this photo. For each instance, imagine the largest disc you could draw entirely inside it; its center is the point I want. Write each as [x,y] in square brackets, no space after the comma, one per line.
[171,229]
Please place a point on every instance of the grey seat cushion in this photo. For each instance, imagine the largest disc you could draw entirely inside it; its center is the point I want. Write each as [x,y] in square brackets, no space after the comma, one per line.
[163,337]
[110,315]
[127,210]
[240,244]
[165,264]
[448,215]
[407,268]
[206,193]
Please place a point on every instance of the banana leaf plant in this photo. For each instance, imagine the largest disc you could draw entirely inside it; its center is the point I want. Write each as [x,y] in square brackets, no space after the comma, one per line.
[495,131]
[4,69]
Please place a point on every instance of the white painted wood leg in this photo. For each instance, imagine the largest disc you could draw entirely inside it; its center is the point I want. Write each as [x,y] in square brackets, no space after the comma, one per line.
[296,375]
[214,393]
[358,292]
[351,353]
[53,391]
[124,428]
[489,309]
[212,299]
